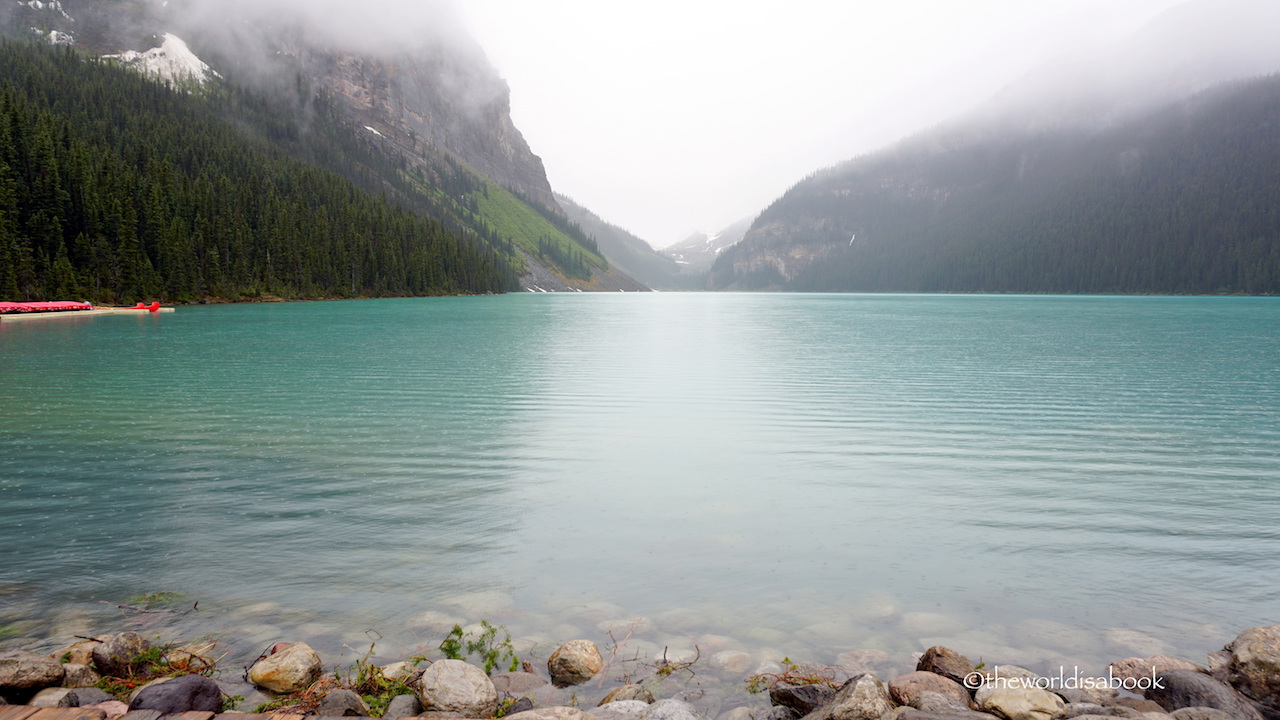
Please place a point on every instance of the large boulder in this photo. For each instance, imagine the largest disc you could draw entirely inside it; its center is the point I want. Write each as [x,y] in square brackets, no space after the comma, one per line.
[1254,667]
[118,655]
[862,698]
[455,686]
[27,671]
[1179,689]
[575,662]
[904,688]
[1012,702]
[290,669]
[945,662]
[187,693]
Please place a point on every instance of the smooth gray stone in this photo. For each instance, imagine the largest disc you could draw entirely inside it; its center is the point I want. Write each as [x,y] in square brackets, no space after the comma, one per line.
[1188,689]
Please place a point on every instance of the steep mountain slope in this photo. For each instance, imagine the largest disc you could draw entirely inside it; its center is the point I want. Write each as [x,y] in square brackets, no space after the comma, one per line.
[628,253]
[115,188]
[1182,200]
[1100,174]
[431,103]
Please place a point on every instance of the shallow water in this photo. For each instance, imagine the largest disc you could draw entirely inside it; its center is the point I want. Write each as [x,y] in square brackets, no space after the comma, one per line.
[1042,479]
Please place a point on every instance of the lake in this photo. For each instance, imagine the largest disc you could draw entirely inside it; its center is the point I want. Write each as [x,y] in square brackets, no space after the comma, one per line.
[1033,480]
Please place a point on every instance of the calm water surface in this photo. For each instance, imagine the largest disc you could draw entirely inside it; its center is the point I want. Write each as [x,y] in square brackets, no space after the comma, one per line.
[1038,478]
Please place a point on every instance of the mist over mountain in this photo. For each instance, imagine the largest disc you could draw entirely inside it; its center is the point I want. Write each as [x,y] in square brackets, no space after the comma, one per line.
[698,252]
[407,80]
[1116,171]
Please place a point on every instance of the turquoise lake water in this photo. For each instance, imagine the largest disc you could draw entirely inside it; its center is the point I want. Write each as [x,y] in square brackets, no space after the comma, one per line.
[1025,479]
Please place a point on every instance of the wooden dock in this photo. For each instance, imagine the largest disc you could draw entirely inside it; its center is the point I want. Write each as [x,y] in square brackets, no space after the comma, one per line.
[68,314]
[26,712]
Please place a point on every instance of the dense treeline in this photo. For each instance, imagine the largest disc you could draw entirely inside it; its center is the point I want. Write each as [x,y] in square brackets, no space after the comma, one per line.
[115,188]
[1185,200]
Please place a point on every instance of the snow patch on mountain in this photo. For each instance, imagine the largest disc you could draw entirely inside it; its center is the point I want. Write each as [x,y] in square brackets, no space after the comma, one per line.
[172,61]
[55,37]
[53,5]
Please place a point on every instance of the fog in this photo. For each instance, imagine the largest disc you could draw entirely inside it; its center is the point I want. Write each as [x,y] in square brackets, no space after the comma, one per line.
[667,117]
[670,116]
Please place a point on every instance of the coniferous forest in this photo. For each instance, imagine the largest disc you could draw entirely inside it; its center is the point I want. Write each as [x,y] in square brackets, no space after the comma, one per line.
[115,188]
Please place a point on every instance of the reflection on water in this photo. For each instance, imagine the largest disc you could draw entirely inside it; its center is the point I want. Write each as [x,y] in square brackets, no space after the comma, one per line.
[1036,479]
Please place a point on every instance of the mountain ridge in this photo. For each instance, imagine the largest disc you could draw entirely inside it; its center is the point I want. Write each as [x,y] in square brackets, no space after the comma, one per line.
[1011,183]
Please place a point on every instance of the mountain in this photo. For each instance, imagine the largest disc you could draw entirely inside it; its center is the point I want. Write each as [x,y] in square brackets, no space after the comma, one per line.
[628,253]
[115,188]
[698,252]
[421,94]
[1106,173]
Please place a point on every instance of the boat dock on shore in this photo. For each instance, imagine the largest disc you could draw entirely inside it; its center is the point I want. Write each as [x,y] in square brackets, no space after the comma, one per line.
[96,312]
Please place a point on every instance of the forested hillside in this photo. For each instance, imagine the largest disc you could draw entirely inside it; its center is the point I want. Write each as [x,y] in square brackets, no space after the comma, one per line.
[114,188]
[1184,199]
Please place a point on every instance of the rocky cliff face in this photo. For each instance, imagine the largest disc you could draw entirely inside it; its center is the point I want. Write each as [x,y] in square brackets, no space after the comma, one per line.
[439,90]
[449,102]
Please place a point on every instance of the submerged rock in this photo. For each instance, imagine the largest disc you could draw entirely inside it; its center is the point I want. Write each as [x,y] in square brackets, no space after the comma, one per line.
[627,692]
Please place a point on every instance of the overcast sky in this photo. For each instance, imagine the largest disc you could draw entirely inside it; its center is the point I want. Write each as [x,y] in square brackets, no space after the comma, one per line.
[672,116]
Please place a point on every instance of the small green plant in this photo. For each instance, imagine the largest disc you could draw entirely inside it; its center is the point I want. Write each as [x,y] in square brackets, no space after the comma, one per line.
[8,631]
[485,646]
[790,675]
[376,688]
[231,702]
[273,705]
[151,664]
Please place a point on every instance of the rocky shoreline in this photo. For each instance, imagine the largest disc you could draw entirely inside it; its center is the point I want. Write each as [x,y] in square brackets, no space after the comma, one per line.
[122,673]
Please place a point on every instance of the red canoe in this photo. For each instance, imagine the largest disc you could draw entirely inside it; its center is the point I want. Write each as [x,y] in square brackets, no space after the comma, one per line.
[12,307]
